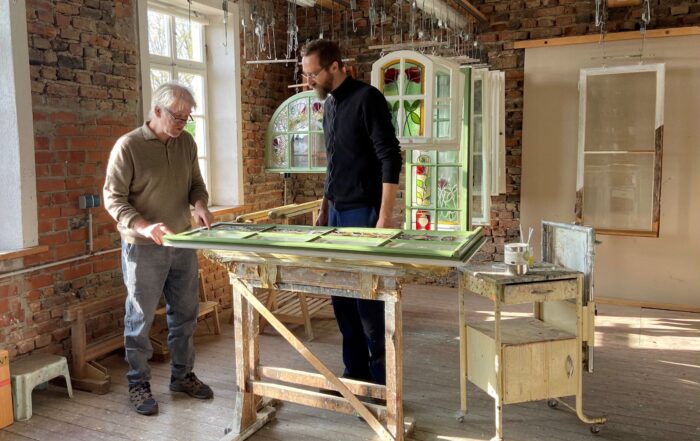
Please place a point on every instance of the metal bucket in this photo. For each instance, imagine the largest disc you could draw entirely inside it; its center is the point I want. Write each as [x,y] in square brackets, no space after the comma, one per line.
[515,256]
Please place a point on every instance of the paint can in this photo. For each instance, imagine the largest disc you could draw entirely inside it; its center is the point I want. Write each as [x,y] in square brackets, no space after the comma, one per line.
[516,257]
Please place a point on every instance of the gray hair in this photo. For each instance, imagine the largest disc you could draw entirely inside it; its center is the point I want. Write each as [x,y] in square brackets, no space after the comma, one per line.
[167,93]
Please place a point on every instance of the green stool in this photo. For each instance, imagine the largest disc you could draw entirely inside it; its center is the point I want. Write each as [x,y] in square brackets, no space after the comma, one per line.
[31,371]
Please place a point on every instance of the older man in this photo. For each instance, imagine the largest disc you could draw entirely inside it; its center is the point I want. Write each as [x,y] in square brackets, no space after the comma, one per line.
[152,179]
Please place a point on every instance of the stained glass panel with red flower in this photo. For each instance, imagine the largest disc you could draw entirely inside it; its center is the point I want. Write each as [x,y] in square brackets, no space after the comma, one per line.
[279,152]
[391,76]
[414,76]
[316,115]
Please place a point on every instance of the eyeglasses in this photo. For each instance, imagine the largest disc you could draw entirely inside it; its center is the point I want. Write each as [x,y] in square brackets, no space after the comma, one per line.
[185,120]
[313,76]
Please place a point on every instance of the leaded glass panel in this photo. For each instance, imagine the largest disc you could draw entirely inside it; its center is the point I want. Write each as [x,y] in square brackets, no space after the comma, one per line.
[281,123]
[316,115]
[413,118]
[299,115]
[448,187]
[414,78]
[278,152]
[196,84]
[391,77]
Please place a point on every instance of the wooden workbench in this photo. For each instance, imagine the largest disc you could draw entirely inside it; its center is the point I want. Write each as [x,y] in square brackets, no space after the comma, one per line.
[251,272]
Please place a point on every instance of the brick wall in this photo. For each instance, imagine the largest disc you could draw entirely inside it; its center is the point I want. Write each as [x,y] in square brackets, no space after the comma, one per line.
[84,64]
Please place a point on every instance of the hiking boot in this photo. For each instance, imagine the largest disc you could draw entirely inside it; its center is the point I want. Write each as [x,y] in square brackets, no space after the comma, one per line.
[142,399]
[192,386]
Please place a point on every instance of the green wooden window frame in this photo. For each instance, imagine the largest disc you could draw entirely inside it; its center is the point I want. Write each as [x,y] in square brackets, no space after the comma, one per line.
[294,141]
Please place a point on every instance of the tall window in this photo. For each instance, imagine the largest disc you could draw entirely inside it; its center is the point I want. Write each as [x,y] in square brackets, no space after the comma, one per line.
[176,52]
[200,48]
[487,152]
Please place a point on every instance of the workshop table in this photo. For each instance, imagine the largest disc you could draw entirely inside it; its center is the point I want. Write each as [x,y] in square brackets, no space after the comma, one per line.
[250,273]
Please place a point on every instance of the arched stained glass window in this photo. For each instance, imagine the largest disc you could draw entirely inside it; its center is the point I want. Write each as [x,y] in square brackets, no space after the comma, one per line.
[294,140]
[424,95]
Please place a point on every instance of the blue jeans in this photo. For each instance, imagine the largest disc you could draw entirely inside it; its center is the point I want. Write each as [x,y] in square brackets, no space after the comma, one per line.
[361,322]
[149,271]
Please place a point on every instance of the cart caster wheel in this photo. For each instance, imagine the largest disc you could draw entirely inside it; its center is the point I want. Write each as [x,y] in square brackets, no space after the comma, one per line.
[227,431]
[552,403]
[595,429]
[460,419]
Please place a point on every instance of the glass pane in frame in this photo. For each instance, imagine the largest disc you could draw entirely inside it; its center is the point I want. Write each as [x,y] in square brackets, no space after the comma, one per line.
[621,112]
[442,85]
[299,115]
[158,34]
[618,190]
[278,152]
[188,40]
[300,150]
[159,77]
[414,78]
[316,115]
[196,84]
[413,118]
[448,187]
[281,121]
[448,221]
[394,111]
[391,78]
[423,219]
[318,150]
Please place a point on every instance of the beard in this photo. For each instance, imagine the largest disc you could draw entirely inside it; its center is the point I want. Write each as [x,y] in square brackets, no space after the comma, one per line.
[323,89]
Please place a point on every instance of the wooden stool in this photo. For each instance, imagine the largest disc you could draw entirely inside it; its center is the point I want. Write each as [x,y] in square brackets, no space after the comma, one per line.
[31,371]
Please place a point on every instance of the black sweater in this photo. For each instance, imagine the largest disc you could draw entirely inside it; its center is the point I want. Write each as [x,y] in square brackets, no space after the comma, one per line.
[361,146]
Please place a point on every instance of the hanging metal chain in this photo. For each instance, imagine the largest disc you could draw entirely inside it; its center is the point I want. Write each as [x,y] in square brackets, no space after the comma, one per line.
[224,7]
[646,19]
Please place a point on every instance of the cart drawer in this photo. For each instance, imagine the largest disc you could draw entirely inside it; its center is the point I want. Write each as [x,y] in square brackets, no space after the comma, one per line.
[539,360]
[539,291]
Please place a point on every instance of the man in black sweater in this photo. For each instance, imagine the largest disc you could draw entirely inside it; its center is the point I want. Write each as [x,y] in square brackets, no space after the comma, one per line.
[362,177]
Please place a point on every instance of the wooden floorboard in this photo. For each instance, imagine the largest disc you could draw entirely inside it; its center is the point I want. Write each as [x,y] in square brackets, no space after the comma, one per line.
[646,379]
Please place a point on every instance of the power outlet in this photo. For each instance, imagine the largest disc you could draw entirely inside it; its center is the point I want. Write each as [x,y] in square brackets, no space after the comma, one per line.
[89,201]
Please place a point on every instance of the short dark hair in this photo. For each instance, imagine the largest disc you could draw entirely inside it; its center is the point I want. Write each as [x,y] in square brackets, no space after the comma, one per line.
[327,51]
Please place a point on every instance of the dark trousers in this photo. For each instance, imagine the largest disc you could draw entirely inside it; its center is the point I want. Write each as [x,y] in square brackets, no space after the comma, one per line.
[361,322]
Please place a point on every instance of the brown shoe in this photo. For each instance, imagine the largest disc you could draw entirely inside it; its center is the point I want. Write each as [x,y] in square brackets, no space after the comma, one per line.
[192,386]
[142,399]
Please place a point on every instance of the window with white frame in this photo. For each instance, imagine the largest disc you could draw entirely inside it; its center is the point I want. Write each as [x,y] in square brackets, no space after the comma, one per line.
[176,53]
[19,217]
[487,147]
[198,48]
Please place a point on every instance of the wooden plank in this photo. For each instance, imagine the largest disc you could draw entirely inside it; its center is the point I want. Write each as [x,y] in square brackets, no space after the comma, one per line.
[615,36]
[393,335]
[16,254]
[318,381]
[244,411]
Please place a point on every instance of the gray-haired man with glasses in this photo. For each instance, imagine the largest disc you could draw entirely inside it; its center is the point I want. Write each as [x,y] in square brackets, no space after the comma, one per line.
[152,179]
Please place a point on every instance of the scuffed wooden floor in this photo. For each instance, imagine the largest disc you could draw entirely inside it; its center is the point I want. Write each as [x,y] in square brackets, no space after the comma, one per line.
[647,381]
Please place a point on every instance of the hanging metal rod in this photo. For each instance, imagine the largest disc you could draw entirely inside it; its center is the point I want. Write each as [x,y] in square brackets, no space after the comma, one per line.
[410,45]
